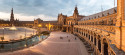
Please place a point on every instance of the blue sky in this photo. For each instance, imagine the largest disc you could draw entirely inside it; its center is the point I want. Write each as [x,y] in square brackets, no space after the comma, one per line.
[49,9]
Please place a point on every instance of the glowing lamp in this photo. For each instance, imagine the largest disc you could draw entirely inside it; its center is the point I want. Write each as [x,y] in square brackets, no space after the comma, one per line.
[39,25]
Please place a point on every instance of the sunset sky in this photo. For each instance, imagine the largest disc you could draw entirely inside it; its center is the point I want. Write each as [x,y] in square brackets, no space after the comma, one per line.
[28,10]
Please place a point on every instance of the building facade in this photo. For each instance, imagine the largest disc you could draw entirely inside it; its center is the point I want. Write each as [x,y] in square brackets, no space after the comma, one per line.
[61,21]
[45,24]
[103,32]
[69,21]
[31,24]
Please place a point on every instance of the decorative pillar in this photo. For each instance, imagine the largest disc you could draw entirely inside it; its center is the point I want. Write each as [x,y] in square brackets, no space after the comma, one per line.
[62,29]
[73,30]
[90,37]
[66,29]
[82,32]
[102,47]
[93,39]
[97,45]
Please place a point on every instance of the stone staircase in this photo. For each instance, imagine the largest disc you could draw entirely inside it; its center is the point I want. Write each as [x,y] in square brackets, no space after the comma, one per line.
[87,45]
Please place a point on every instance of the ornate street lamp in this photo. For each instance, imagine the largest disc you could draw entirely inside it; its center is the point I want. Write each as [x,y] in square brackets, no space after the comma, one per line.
[39,26]
[3,32]
[20,36]
[2,38]
[25,32]
[33,31]
[42,36]
[25,39]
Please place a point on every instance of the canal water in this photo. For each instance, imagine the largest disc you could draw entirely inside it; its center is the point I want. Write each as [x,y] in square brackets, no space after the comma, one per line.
[11,46]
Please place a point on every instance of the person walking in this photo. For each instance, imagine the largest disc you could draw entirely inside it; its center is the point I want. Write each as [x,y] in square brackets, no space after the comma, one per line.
[75,38]
[69,40]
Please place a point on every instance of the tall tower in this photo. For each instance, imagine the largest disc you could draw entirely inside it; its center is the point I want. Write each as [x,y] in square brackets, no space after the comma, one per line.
[75,14]
[120,25]
[12,18]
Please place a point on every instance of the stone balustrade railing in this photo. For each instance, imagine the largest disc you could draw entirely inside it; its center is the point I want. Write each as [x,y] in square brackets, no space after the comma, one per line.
[110,29]
[13,45]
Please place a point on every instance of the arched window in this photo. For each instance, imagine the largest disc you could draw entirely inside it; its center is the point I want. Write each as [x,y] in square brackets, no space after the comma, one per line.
[108,13]
[115,11]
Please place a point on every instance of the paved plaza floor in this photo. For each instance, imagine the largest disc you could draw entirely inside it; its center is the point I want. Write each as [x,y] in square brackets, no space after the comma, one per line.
[56,44]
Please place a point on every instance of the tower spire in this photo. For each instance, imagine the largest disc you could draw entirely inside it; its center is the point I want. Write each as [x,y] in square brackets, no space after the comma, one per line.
[12,18]
[75,14]
[12,11]
[76,6]
[114,3]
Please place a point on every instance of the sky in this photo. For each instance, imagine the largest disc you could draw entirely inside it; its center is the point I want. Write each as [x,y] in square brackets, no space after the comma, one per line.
[28,10]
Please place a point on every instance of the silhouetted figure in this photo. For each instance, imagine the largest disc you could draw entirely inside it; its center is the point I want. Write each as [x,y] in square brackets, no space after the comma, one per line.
[61,37]
[67,36]
[75,38]
[69,40]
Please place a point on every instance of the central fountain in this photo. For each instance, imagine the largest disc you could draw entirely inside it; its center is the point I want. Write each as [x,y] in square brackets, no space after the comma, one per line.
[13,28]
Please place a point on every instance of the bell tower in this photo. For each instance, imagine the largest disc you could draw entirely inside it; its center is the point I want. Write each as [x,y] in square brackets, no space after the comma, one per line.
[12,18]
[75,14]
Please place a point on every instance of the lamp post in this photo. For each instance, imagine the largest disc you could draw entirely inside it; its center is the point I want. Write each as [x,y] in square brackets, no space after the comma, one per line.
[33,31]
[25,32]
[2,38]
[36,32]
[25,39]
[20,37]
[39,26]
[3,32]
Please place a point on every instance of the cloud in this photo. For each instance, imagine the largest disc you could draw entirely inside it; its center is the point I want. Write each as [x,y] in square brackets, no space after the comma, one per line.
[50,9]
[24,17]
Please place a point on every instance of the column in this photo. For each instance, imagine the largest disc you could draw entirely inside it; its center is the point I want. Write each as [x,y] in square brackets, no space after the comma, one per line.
[90,38]
[96,45]
[120,25]
[67,29]
[62,28]
[102,47]
[93,39]
[73,30]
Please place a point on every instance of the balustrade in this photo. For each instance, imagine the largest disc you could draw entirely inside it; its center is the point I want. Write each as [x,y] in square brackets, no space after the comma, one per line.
[110,29]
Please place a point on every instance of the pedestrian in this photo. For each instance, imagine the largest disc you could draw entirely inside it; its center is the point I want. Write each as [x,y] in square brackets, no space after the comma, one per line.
[75,38]
[67,36]
[69,40]
[60,37]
